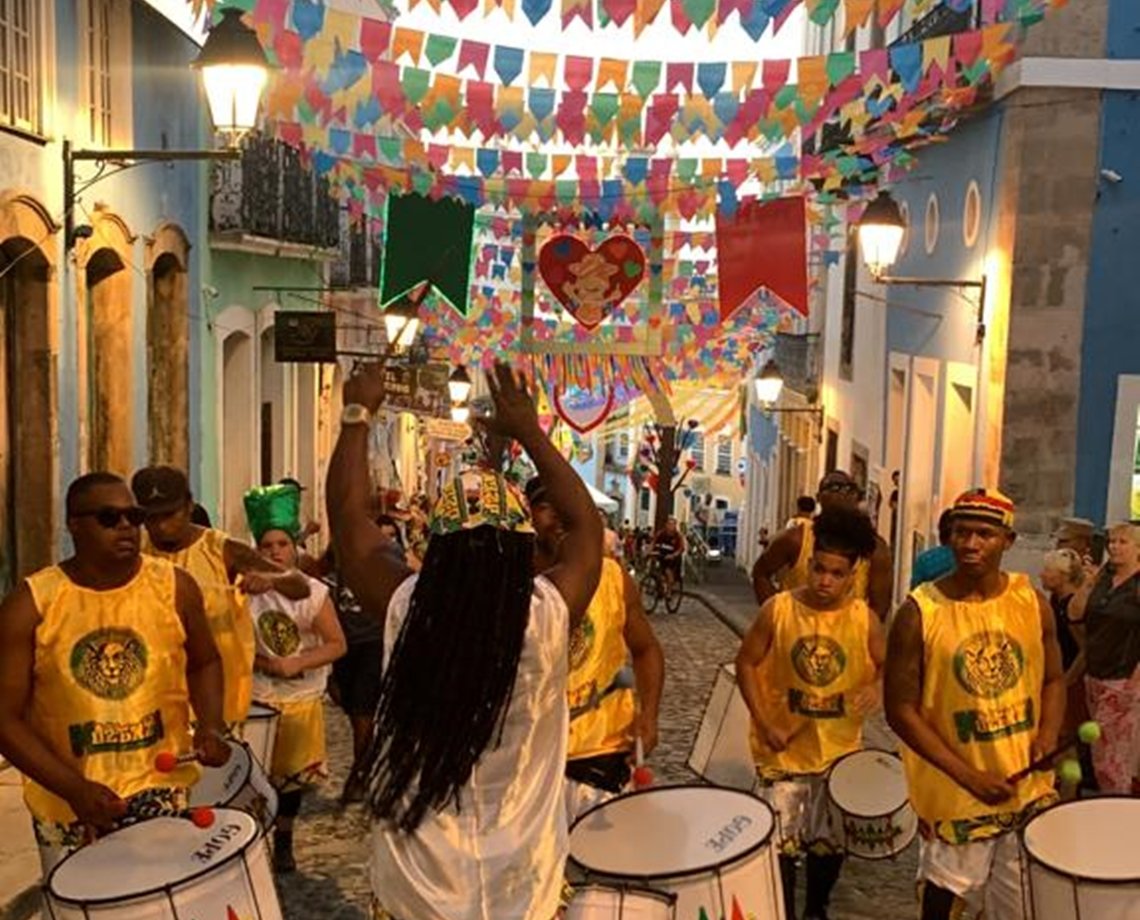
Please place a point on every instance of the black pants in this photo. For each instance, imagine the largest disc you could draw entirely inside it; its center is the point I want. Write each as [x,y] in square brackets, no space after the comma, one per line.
[822,874]
[937,903]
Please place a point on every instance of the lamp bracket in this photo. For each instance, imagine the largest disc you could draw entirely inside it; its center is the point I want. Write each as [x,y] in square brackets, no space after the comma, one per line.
[815,411]
[121,160]
[978,285]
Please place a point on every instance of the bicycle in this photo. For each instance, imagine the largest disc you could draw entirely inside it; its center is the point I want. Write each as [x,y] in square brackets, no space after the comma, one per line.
[654,588]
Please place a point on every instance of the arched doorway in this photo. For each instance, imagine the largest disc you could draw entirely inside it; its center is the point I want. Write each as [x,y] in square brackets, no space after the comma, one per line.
[168,347]
[236,337]
[106,369]
[28,410]
[274,413]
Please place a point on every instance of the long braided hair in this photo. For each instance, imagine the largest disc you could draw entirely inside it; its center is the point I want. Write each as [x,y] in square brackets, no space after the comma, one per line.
[447,685]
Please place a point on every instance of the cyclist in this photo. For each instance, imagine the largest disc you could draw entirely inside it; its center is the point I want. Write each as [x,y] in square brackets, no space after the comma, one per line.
[669,548]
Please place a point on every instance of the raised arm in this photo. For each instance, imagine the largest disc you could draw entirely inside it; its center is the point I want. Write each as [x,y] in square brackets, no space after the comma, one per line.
[259,574]
[579,563]
[903,703]
[367,560]
[781,553]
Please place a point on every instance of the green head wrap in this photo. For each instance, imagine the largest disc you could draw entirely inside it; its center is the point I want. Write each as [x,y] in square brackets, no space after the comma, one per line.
[276,507]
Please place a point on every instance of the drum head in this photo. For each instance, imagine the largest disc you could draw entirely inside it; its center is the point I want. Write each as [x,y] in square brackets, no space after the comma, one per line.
[1092,839]
[258,711]
[219,785]
[149,856]
[868,784]
[669,832]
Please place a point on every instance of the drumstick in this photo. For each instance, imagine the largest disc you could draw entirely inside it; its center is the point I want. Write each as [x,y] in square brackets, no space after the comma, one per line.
[202,816]
[168,761]
[1087,733]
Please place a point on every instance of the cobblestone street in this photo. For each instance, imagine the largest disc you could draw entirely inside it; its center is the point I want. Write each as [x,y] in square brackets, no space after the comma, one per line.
[332,882]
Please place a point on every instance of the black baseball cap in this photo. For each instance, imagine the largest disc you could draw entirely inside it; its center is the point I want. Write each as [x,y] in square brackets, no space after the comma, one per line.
[159,489]
[535,491]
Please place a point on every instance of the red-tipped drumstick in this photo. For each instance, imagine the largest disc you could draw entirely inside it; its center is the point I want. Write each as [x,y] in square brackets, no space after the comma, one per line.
[202,817]
[168,761]
[642,775]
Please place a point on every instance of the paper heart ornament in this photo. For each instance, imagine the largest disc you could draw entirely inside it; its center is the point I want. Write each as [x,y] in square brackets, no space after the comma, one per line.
[589,283]
[585,410]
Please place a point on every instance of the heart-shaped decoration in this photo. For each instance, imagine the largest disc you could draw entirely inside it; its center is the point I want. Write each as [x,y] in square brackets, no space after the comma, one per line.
[589,283]
[585,410]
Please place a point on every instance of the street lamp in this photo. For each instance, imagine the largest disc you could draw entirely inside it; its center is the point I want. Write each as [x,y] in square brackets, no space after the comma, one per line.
[881,230]
[402,322]
[769,383]
[234,71]
[459,385]
[460,414]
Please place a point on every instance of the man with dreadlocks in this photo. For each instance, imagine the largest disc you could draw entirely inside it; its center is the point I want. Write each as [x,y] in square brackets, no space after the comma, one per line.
[465,766]
[808,670]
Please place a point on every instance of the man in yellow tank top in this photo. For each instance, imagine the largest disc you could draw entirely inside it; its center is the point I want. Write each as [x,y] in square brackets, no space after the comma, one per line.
[787,558]
[808,670]
[608,708]
[101,658]
[975,689]
[224,569]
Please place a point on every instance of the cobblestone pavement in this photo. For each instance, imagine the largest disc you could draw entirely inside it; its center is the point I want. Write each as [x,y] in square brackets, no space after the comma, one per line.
[331,844]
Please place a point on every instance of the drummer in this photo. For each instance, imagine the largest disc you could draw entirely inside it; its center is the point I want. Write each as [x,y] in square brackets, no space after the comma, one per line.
[808,670]
[976,691]
[788,557]
[297,641]
[605,714]
[101,657]
[220,566]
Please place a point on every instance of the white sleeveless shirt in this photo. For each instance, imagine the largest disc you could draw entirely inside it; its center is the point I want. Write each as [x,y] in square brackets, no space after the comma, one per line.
[501,855]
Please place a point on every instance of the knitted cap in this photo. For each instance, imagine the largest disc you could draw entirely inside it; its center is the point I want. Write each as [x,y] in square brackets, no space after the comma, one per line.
[984,505]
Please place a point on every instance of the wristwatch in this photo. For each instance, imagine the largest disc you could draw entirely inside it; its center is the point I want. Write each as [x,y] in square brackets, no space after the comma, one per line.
[355,414]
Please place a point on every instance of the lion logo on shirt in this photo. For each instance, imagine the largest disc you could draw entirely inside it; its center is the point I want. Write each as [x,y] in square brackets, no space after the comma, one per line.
[279,633]
[989,663]
[581,642]
[818,660]
[109,662]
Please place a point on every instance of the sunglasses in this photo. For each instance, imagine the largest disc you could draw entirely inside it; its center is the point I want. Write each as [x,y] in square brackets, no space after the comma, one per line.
[109,517]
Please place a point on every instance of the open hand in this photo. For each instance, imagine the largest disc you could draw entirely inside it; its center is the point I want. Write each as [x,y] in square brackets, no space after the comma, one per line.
[515,412]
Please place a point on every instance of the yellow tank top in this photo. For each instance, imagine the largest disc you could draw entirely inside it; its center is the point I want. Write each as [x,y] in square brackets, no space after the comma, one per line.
[109,687]
[983,670]
[818,659]
[597,653]
[227,612]
[797,575]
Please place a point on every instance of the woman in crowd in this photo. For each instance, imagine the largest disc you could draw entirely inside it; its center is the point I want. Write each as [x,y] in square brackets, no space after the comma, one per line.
[1110,609]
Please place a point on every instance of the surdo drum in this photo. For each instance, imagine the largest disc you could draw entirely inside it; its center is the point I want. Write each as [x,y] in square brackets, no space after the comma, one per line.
[1083,860]
[712,848]
[871,814]
[259,731]
[601,902]
[722,752]
[239,783]
[168,869]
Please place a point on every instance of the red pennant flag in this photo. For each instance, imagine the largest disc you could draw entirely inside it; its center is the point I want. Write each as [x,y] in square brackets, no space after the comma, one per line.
[578,72]
[678,72]
[619,10]
[763,245]
[473,54]
[375,37]
[774,74]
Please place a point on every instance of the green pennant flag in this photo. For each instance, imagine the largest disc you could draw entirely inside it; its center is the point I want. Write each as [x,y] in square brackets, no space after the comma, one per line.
[840,66]
[646,77]
[427,240]
[686,169]
[536,164]
[422,181]
[824,12]
[630,131]
[699,11]
[391,148]
[439,48]
[604,107]
[439,115]
[416,83]
[566,190]
[786,96]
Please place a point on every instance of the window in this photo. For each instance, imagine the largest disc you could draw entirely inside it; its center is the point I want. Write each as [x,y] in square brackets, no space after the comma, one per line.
[697,451]
[972,215]
[724,456]
[831,454]
[97,70]
[21,70]
[623,448]
[847,318]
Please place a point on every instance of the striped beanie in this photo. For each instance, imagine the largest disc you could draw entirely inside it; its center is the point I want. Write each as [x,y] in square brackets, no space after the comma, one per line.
[984,505]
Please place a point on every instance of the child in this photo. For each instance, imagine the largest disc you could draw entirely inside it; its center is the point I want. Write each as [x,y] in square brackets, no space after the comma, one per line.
[296,643]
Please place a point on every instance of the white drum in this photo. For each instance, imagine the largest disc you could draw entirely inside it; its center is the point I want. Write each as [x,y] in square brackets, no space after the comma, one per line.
[712,848]
[722,753]
[870,807]
[168,869]
[602,902]
[241,783]
[1083,860]
[259,731]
